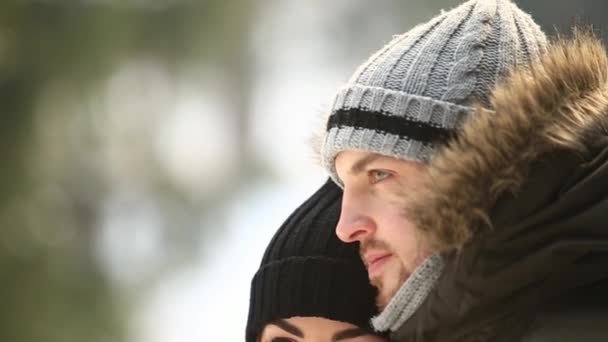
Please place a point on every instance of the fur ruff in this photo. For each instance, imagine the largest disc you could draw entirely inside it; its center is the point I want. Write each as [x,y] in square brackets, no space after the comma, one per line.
[559,103]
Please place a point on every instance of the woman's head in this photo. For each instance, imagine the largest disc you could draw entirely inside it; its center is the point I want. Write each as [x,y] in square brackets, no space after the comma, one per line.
[313,329]
[311,286]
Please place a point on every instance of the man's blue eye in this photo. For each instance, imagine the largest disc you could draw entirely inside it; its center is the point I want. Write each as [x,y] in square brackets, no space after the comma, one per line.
[378,175]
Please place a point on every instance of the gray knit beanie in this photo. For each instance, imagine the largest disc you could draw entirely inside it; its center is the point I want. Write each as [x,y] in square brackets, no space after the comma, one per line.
[412,94]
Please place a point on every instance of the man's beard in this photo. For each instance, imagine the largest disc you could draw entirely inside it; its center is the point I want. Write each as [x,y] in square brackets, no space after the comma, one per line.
[386,289]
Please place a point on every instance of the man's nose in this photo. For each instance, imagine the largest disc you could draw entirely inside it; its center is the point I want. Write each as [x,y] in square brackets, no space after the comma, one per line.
[355,224]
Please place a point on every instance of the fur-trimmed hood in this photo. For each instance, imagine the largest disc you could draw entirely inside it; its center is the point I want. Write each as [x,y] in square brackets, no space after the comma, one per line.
[518,205]
[560,103]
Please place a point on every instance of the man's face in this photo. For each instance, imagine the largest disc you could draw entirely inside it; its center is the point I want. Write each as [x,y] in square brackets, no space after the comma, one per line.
[376,189]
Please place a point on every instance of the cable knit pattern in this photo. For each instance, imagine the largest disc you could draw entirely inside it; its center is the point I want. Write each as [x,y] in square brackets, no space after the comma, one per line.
[432,74]
[410,296]
[463,76]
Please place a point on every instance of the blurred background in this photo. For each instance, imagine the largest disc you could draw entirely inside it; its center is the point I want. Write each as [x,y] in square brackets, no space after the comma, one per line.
[150,148]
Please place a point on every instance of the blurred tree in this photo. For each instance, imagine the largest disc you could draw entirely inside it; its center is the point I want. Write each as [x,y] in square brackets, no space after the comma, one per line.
[53,288]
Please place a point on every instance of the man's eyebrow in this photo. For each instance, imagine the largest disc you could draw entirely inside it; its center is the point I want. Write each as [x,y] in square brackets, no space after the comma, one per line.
[290,328]
[360,164]
[348,333]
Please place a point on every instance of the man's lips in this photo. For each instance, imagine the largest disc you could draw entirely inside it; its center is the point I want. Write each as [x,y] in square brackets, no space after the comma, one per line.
[374,262]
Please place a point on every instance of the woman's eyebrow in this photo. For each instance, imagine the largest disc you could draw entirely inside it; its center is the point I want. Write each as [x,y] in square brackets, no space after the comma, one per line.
[348,333]
[290,328]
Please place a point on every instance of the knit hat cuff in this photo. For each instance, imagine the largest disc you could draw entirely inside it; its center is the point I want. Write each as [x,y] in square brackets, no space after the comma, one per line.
[387,122]
[415,108]
[308,286]
[369,140]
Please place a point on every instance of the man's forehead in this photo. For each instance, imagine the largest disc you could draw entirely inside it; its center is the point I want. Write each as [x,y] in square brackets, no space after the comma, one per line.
[354,161]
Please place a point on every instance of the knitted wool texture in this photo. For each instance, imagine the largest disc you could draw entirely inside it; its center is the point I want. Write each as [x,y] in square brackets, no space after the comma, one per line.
[412,94]
[307,271]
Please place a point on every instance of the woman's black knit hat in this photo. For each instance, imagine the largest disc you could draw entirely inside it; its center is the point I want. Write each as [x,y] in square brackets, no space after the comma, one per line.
[307,271]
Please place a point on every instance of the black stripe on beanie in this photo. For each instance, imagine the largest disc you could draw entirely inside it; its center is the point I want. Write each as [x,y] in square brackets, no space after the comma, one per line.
[385,123]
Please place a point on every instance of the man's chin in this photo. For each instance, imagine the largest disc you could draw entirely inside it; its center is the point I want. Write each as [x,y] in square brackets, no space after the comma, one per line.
[384,293]
[382,301]
[387,287]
